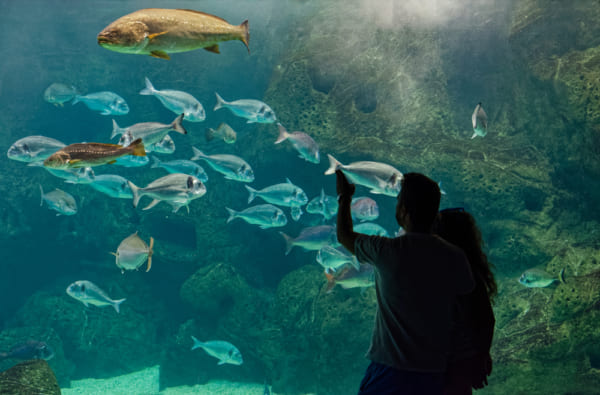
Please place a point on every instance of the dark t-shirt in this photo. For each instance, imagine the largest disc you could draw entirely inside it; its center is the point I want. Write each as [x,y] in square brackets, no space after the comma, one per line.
[417,279]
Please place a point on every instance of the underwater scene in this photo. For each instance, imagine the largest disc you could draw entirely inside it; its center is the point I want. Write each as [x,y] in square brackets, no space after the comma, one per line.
[168,220]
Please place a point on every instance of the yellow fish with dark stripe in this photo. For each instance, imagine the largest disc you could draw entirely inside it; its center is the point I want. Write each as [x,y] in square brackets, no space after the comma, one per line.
[159,31]
[92,154]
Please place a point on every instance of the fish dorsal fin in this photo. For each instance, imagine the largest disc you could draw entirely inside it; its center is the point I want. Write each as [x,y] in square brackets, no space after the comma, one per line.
[287,180]
[160,55]
[202,13]
[213,49]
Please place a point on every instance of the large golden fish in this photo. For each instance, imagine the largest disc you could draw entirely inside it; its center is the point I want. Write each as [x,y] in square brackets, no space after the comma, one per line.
[158,32]
[92,154]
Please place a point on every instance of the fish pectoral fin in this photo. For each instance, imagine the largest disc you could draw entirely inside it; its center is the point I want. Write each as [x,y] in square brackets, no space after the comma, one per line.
[105,112]
[112,161]
[160,55]
[152,204]
[154,35]
[74,162]
[213,48]
[221,362]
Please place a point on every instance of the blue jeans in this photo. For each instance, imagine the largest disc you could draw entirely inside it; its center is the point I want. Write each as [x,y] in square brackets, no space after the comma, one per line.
[383,380]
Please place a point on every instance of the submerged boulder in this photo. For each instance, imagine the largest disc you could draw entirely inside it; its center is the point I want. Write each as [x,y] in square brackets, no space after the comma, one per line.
[29,378]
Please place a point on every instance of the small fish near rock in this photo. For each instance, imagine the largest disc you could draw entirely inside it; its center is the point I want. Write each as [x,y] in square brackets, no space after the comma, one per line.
[537,278]
[479,121]
[89,293]
[159,31]
[224,351]
[31,349]
[133,252]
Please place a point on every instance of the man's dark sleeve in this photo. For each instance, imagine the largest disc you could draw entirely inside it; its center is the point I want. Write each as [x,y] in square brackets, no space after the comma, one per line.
[367,248]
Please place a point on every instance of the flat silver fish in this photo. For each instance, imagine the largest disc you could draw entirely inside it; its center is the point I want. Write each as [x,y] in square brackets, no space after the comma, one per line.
[112,185]
[231,166]
[82,175]
[58,93]
[537,278]
[325,205]
[177,101]
[107,103]
[364,209]
[175,189]
[164,146]
[133,252]
[223,132]
[479,121]
[264,215]
[302,142]
[285,194]
[89,293]
[59,201]
[224,351]
[371,229]
[149,132]
[34,148]
[252,110]
[181,166]
[350,277]
[333,259]
[312,238]
[132,161]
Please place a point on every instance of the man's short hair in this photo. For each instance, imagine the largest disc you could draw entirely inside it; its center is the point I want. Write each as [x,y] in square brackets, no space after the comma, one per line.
[420,196]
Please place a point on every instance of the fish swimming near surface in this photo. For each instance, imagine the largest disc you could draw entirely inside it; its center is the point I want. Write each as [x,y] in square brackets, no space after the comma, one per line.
[350,277]
[112,185]
[223,132]
[176,189]
[252,110]
[164,146]
[58,93]
[479,121]
[89,293]
[133,252]
[263,215]
[31,349]
[231,166]
[92,154]
[184,166]
[537,278]
[177,101]
[379,177]
[107,103]
[224,351]
[325,205]
[371,229]
[312,238]
[302,142]
[149,132]
[59,201]
[158,32]
[33,148]
[333,259]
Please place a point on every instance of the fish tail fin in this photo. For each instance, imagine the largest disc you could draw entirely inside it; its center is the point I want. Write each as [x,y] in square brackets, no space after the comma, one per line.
[177,126]
[561,275]
[75,100]
[155,162]
[116,130]
[474,135]
[330,282]
[220,102]
[137,148]
[117,304]
[135,191]
[283,134]
[289,242]
[149,89]
[197,154]
[232,214]
[210,134]
[334,164]
[245,34]
[150,252]
[42,197]
[252,193]
[197,343]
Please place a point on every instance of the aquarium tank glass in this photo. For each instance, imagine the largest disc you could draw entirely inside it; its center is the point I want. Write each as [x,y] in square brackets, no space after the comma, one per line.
[203,258]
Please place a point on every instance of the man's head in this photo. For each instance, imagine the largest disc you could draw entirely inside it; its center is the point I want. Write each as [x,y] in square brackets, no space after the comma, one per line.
[418,203]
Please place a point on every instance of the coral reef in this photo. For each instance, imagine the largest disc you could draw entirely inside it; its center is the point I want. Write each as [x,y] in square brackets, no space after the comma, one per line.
[29,378]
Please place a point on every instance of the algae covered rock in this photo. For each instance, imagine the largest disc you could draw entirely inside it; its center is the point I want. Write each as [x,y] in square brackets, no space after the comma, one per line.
[29,378]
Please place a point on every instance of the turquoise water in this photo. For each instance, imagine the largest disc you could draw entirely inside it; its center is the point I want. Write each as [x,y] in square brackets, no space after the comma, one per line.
[378,80]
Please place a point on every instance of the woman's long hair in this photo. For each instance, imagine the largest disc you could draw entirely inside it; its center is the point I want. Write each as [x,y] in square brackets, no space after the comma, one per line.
[458,227]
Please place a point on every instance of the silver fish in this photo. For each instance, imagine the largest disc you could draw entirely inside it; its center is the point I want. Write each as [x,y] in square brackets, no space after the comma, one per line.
[164,146]
[479,121]
[107,103]
[302,142]
[379,177]
[89,293]
[132,161]
[333,259]
[537,278]
[34,148]
[31,349]
[224,351]
[133,252]
[371,229]
[285,194]
[252,110]
[59,201]
[181,166]
[112,185]
[82,175]
[231,166]
[312,238]
[364,209]
[58,93]
[350,277]
[176,189]
[149,132]
[325,205]
[177,101]
[224,132]
[263,215]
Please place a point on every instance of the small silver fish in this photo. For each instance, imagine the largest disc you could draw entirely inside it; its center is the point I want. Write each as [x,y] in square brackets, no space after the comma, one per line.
[537,278]
[176,189]
[479,120]
[112,185]
[350,277]
[231,166]
[177,101]
[132,161]
[224,351]
[302,142]
[58,93]
[371,229]
[133,252]
[252,110]
[164,146]
[285,194]
[312,238]
[89,293]
[325,205]
[34,149]
[333,259]
[82,175]
[107,103]
[59,201]
[263,215]
[181,166]
[364,209]
[149,132]
[224,132]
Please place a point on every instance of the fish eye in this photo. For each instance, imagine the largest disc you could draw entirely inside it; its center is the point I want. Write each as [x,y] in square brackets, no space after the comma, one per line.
[25,148]
[82,288]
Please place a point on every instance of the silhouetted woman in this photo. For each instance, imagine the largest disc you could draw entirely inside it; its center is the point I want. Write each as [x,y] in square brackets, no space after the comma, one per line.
[469,362]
